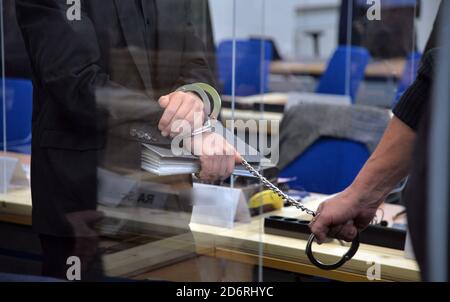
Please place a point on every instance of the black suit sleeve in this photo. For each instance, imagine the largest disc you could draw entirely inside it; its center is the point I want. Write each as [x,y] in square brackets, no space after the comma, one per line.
[195,66]
[65,56]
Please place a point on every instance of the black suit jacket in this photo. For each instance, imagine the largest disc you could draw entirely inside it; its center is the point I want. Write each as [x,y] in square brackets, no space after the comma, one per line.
[94,82]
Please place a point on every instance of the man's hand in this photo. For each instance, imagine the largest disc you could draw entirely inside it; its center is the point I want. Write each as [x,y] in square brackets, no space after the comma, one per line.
[353,209]
[343,216]
[180,106]
[217,156]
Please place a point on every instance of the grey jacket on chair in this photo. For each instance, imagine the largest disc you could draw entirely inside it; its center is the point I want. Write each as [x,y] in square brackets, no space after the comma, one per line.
[304,124]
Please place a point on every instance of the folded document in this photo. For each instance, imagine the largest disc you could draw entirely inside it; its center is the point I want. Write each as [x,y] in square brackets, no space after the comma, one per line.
[161,161]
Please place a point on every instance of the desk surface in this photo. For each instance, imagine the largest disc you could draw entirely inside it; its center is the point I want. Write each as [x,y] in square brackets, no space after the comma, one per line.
[244,243]
[379,69]
[15,205]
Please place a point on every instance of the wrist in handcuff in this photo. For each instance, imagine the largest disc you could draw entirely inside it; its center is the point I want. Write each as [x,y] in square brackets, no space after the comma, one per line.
[206,128]
[206,110]
[203,90]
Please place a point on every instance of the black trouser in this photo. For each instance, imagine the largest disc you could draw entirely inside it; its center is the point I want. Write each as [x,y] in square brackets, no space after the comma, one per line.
[57,250]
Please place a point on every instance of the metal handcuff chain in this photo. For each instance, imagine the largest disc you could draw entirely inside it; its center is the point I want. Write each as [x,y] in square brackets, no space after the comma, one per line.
[346,257]
[203,89]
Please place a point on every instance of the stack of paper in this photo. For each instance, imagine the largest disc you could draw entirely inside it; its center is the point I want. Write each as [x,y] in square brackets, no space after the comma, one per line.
[161,161]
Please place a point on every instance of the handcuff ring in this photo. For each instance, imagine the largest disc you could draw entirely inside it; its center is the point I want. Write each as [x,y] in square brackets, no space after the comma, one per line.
[201,93]
[203,90]
[346,257]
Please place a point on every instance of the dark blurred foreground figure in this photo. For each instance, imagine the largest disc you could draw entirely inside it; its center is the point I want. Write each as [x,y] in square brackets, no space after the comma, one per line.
[17,64]
[104,73]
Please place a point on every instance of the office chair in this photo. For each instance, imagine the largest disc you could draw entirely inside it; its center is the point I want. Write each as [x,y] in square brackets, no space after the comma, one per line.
[252,66]
[334,80]
[18,103]
[276,55]
[408,76]
[328,166]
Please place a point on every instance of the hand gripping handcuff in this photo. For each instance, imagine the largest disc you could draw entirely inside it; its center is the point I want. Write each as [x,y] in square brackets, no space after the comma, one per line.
[203,90]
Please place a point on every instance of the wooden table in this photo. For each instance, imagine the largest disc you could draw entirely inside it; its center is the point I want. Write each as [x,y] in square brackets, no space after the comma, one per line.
[245,243]
[273,119]
[246,112]
[391,68]
[15,206]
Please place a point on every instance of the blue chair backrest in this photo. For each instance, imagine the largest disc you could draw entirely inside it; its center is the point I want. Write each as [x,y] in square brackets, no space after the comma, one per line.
[19,106]
[328,166]
[335,79]
[253,59]
[408,76]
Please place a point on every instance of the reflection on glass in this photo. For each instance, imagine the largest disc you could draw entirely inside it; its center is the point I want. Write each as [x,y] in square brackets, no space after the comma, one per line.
[94,89]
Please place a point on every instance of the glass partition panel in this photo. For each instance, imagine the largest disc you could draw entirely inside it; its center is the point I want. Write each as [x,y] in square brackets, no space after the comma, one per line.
[137,115]
[16,95]
[131,171]
[340,69]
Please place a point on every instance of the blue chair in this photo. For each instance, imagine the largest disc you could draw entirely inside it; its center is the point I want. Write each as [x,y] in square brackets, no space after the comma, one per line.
[334,80]
[328,166]
[252,66]
[408,76]
[18,102]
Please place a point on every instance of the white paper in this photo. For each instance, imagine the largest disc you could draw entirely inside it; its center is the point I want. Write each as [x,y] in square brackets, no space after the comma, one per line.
[12,174]
[298,98]
[113,188]
[409,252]
[219,206]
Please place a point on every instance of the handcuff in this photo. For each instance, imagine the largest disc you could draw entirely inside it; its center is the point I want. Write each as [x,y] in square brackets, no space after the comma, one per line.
[203,90]
[346,257]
